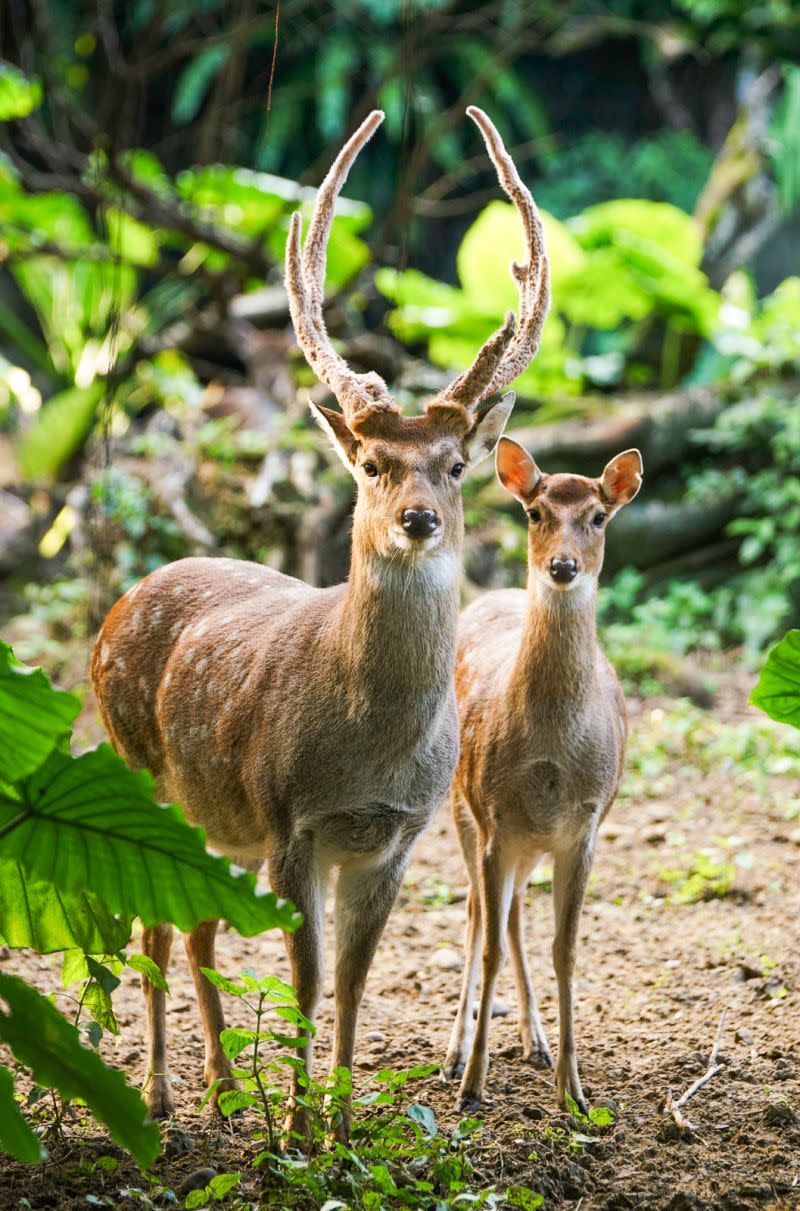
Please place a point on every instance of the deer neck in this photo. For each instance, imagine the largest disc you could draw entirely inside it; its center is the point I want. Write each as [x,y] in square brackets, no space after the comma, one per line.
[558,645]
[397,622]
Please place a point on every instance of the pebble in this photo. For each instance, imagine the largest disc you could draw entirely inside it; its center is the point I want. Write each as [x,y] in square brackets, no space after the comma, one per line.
[375,1036]
[196,1181]
[446,959]
[176,1142]
[746,1036]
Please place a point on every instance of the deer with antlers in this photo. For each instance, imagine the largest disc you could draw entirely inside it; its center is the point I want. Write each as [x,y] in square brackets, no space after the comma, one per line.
[311,728]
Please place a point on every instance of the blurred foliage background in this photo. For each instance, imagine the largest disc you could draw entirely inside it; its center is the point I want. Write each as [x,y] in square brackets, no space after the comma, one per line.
[152,403]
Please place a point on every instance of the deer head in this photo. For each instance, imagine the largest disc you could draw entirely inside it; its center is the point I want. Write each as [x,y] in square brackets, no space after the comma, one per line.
[567,514]
[409,469]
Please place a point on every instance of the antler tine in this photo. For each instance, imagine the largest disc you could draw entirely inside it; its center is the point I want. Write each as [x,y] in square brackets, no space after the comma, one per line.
[533,276]
[305,286]
[509,350]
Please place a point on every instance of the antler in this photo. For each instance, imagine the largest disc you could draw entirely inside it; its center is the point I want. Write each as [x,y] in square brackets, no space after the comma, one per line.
[509,350]
[305,285]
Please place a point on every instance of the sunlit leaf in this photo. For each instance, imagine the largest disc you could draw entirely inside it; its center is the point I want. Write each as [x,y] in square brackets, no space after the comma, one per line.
[34,716]
[16,1137]
[777,691]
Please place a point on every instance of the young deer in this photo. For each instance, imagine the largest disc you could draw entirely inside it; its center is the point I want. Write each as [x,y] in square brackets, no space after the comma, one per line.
[316,728]
[542,746]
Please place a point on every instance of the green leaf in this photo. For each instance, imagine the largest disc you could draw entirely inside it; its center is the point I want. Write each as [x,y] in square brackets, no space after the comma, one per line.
[60,428]
[16,1137]
[41,1039]
[221,1185]
[194,82]
[231,1100]
[34,716]
[91,822]
[97,1000]
[425,1117]
[41,917]
[222,982]
[234,1040]
[522,1196]
[19,96]
[150,970]
[777,691]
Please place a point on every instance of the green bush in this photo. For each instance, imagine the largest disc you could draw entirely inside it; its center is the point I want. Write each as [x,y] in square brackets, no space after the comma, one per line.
[68,824]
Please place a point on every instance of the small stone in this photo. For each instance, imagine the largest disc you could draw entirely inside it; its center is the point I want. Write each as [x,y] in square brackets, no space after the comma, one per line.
[794,836]
[131,1056]
[5,952]
[746,1036]
[196,1181]
[375,1036]
[176,1142]
[446,959]
[499,1010]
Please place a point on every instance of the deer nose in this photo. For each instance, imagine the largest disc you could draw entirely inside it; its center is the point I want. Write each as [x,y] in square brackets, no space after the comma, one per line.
[563,570]
[419,523]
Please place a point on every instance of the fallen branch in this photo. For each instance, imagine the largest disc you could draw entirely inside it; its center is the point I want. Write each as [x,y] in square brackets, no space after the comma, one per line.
[673,1107]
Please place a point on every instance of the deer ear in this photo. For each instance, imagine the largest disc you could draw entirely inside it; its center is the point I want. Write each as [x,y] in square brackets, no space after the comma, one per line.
[622,478]
[334,425]
[482,437]
[516,470]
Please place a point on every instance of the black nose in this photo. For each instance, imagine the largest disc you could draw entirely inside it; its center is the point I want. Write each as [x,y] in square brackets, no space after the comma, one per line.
[563,570]
[419,523]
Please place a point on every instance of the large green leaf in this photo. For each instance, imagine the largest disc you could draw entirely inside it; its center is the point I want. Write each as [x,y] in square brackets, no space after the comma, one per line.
[91,822]
[59,430]
[42,918]
[777,691]
[41,1039]
[34,716]
[16,1137]
[19,96]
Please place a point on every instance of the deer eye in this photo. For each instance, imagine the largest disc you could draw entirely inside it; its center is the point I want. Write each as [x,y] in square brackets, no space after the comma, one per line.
[598,520]
[457,471]
[534,515]
[370,469]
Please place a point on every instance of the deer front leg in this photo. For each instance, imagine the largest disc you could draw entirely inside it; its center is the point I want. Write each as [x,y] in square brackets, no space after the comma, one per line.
[534,1043]
[157,944]
[461,1034]
[296,876]
[570,876]
[364,899]
[496,886]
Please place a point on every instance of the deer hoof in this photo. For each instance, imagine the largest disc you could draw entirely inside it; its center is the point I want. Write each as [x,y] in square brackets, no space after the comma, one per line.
[538,1054]
[452,1069]
[469,1103]
[160,1099]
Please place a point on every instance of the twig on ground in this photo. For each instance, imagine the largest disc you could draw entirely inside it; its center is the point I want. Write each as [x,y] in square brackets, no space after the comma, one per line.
[673,1107]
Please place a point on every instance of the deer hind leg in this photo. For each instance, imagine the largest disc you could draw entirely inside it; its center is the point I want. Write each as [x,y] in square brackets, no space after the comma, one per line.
[156,944]
[461,1035]
[200,951]
[534,1043]
[296,876]
[365,894]
[570,876]
[200,947]
[497,887]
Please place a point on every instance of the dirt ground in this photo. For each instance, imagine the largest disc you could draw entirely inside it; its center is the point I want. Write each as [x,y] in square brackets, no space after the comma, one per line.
[709,797]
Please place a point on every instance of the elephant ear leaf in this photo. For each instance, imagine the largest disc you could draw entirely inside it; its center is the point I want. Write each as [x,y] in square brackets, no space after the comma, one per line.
[16,1137]
[34,717]
[41,1039]
[777,691]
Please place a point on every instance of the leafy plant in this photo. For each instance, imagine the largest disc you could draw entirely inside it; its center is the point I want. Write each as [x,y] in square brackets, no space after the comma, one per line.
[72,823]
[617,268]
[777,692]
[397,1157]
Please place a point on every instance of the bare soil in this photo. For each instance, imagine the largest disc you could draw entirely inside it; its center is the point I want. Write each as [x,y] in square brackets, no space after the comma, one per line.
[654,976]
